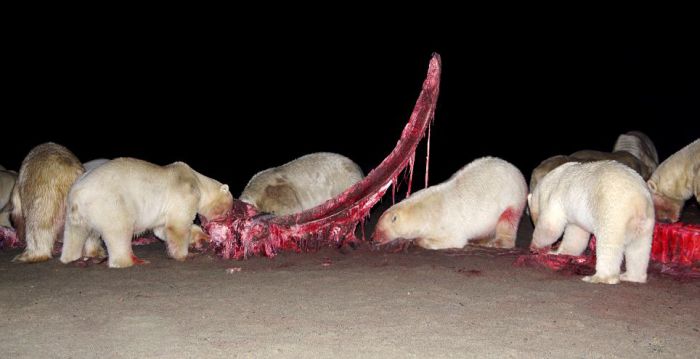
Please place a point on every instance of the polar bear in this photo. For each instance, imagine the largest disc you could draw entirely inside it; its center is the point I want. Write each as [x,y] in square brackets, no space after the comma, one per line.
[127,196]
[7,183]
[640,146]
[483,201]
[675,181]
[39,198]
[301,184]
[198,239]
[604,198]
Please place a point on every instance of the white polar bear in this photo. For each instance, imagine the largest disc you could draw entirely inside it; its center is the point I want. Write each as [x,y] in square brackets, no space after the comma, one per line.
[605,198]
[482,201]
[7,183]
[675,181]
[301,184]
[199,238]
[127,196]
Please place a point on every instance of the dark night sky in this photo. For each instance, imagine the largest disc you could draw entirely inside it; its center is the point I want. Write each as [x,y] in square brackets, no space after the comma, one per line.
[252,103]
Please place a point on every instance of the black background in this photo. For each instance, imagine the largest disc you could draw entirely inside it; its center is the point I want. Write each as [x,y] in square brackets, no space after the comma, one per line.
[232,102]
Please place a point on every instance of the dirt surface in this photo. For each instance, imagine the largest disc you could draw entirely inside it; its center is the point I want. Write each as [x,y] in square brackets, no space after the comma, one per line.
[361,303]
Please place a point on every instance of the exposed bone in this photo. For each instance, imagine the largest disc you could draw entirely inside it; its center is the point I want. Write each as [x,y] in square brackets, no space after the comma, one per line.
[244,232]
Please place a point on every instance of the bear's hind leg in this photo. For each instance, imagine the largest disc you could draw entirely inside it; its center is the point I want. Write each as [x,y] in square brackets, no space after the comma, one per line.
[119,249]
[507,228]
[74,237]
[637,255]
[40,239]
[608,261]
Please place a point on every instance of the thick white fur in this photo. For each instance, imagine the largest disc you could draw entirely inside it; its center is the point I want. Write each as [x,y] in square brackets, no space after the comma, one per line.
[606,199]
[127,196]
[302,183]
[466,207]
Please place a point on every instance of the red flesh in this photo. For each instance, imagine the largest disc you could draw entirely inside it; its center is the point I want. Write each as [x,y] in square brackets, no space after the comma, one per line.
[243,234]
[675,251]
[8,238]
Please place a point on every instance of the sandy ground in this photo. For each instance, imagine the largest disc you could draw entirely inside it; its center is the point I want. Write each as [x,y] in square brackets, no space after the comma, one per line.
[363,303]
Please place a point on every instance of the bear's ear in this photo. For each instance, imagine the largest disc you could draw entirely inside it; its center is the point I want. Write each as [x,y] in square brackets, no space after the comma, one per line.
[652,186]
[223,188]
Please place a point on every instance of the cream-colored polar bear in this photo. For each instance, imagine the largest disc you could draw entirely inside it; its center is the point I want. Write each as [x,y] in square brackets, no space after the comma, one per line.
[127,196]
[675,181]
[482,201]
[7,183]
[39,198]
[198,236]
[604,198]
[301,184]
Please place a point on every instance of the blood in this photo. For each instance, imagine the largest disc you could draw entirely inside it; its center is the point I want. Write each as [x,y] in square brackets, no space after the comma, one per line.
[580,265]
[675,251]
[427,156]
[411,162]
[509,215]
[244,233]
[8,238]
[144,240]
[138,261]
[676,243]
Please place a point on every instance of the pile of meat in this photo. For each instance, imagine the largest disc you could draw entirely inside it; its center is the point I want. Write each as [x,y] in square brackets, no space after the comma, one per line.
[246,233]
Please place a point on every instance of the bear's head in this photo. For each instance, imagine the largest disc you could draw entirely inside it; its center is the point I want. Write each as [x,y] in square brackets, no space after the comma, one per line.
[387,228]
[403,221]
[667,203]
[667,209]
[217,204]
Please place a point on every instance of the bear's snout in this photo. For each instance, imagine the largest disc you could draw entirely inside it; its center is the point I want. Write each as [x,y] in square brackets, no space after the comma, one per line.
[379,237]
